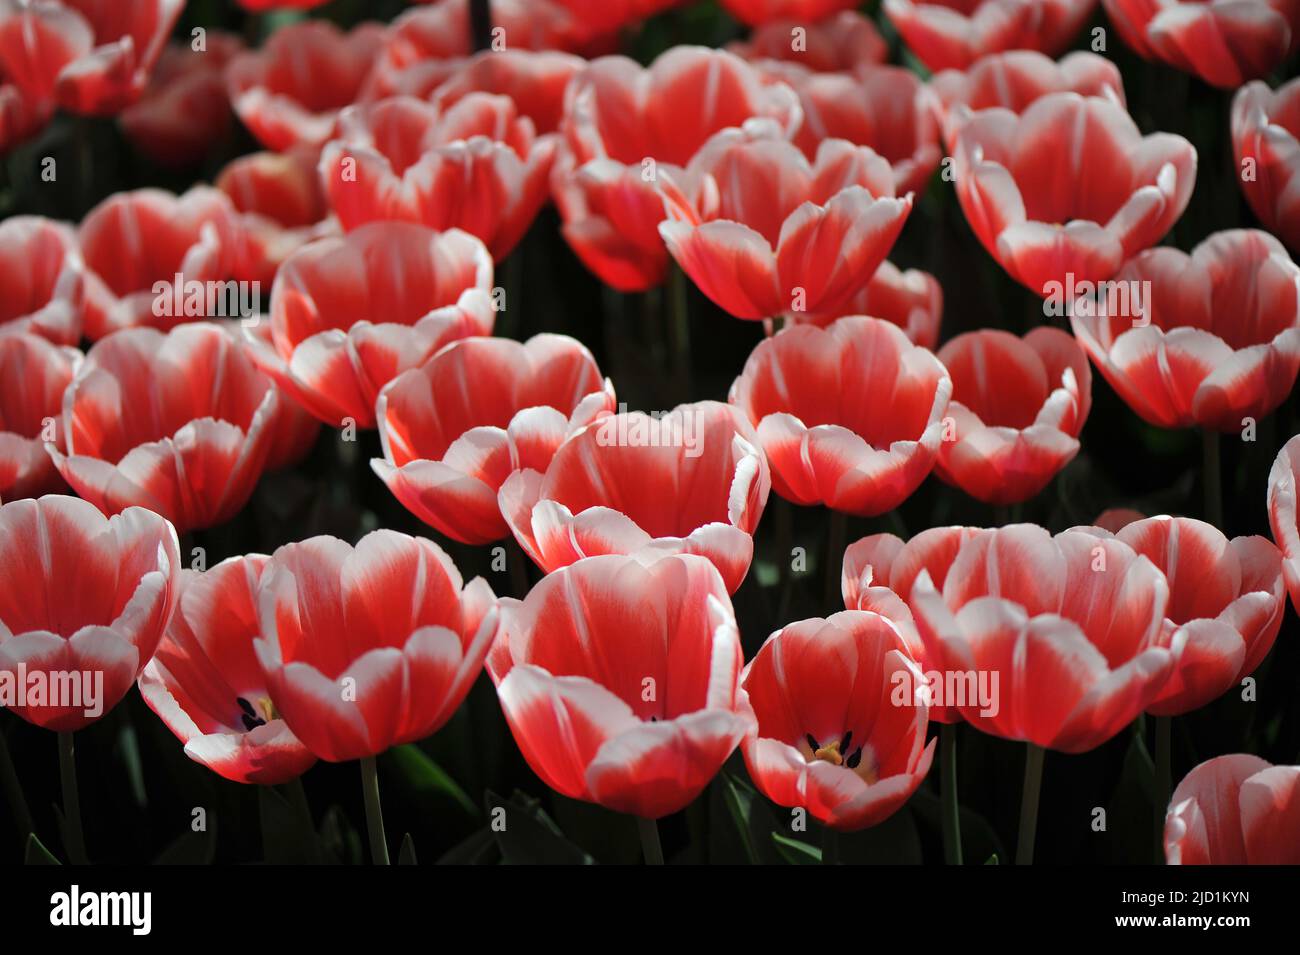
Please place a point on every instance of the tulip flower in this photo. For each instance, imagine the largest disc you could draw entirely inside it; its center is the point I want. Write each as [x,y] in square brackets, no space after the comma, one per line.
[147,251]
[1217,340]
[912,300]
[691,481]
[645,660]
[351,313]
[290,91]
[756,12]
[865,437]
[819,232]
[624,125]
[1265,131]
[1115,519]
[1224,42]
[1065,192]
[1282,514]
[884,108]
[1226,598]
[369,647]
[841,719]
[33,375]
[841,43]
[205,684]
[1015,80]
[477,165]
[953,34]
[180,423]
[1018,405]
[1235,810]
[281,207]
[454,428]
[93,58]
[43,278]
[22,116]
[185,110]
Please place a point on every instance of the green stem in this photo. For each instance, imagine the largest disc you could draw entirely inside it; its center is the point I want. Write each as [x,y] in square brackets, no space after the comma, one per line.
[1212,477]
[1029,804]
[948,791]
[650,847]
[14,791]
[73,834]
[1164,778]
[835,558]
[374,812]
[679,331]
[830,846]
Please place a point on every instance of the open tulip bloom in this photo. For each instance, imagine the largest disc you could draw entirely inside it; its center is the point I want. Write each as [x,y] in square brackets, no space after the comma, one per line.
[841,719]
[43,277]
[619,486]
[351,313]
[621,680]
[454,429]
[867,436]
[1266,141]
[953,34]
[1066,191]
[765,232]
[205,684]
[33,376]
[1284,516]
[1235,810]
[840,43]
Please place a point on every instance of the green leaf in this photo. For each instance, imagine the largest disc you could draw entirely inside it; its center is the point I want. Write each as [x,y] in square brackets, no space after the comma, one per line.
[753,824]
[479,849]
[992,860]
[978,840]
[406,855]
[425,778]
[37,854]
[795,851]
[893,842]
[527,835]
[288,837]
[339,842]
[191,848]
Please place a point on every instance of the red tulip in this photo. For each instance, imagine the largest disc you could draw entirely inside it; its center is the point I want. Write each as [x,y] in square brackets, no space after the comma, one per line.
[261,6]
[764,232]
[1226,599]
[43,278]
[426,46]
[349,314]
[84,599]
[454,428]
[33,374]
[621,681]
[1235,810]
[755,12]
[294,429]
[185,109]
[477,166]
[1217,340]
[912,300]
[534,81]
[594,20]
[367,648]
[205,684]
[623,125]
[841,727]
[1018,405]
[1224,42]
[291,90]
[1265,129]
[1282,514]
[281,207]
[1017,79]
[136,245]
[179,423]
[1065,631]
[1070,188]
[1114,519]
[953,34]
[884,108]
[22,116]
[843,42]
[692,481]
[93,56]
[878,574]
[849,416]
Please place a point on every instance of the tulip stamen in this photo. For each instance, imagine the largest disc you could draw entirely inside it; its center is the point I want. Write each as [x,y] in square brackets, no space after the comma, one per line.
[253,717]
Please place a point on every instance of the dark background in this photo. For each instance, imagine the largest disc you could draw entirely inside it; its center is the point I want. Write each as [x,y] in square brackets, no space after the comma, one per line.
[138,790]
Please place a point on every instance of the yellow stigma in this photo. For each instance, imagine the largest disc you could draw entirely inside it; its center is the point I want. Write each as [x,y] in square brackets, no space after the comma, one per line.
[268,709]
[830,754]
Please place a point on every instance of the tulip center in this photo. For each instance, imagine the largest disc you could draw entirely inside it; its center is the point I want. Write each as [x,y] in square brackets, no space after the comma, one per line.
[257,715]
[839,752]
